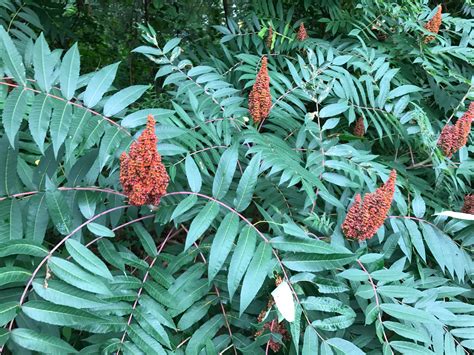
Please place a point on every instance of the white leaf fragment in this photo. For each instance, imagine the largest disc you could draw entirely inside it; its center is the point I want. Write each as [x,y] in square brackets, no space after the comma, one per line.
[284,301]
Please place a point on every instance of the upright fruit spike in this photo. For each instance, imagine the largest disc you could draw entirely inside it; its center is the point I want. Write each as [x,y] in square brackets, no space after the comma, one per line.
[260,99]
[359,129]
[453,138]
[142,174]
[367,215]
[433,24]
[468,206]
[302,34]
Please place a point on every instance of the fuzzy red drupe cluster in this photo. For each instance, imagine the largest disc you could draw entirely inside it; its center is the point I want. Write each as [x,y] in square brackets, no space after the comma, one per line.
[367,215]
[433,25]
[275,327]
[142,174]
[302,34]
[453,138]
[359,129]
[260,99]
[468,206]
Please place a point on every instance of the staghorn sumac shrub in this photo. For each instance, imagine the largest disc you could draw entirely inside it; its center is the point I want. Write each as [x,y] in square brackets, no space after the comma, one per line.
[307,192]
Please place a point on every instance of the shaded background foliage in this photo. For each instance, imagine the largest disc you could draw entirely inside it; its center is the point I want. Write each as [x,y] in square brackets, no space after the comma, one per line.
[106,41]
[250,228]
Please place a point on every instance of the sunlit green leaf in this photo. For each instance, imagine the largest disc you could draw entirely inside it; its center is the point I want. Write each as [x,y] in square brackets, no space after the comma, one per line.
[32,340]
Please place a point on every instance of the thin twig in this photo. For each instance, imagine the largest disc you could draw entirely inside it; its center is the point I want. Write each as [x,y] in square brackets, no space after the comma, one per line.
[460,103]
[200,151]
[56,247]
[226,319]
[420,164]
[219,296]
[120,227]
[267,348]
[14,17]
[145,277]
[260,234]
[69,102]
[377,302]
[78,188]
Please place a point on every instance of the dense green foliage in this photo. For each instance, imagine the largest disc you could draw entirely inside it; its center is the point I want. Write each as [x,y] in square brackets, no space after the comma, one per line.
[249,207]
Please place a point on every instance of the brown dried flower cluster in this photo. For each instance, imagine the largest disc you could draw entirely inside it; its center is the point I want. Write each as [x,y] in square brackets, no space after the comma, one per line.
[142,174]
[468,204]
[270,37]
[433,24]
[302,34]
[275,327]
[359,129]
[453,138]
[366,216]
[264,311]
[260,99]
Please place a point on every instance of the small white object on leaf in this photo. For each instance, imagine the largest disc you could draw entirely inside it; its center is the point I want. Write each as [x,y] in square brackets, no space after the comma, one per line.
[457,215]
[284,301]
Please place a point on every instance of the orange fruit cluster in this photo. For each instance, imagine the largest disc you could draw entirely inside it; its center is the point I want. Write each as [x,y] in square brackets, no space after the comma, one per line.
[468,204]
[260,99]
[453,138]
[366,216]
[142,174]
[302,34]
[279,328]
[433,24]
[359,129]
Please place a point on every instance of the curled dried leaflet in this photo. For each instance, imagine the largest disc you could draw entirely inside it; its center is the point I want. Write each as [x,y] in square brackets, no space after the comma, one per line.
[270,37]
[142,174]
[367,215]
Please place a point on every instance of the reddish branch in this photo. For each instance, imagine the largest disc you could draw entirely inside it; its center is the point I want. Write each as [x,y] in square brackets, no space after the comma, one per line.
[68,102]
[377,302]
[168,237]
[91,188]
[56,247]
[122,226]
